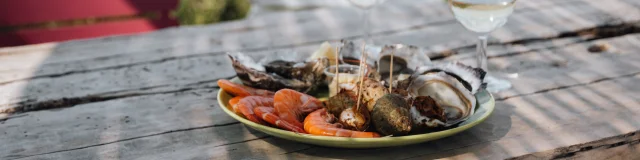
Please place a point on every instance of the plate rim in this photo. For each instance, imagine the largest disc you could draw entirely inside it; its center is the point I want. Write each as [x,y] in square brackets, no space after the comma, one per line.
[364,142]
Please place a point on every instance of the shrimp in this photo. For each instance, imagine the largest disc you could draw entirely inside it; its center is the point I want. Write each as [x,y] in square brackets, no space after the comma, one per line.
[233,101]
[245,107]
[240,90]
[292,106]
[268,114]
[320,122]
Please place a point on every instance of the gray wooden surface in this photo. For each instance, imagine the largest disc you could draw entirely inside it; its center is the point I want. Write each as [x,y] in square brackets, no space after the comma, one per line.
[152,96]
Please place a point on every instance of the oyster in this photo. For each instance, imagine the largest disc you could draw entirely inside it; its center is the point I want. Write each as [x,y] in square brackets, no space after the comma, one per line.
[470,77]
[426,112]
[280,74]
[451,86]
[351,51]
[312,71]
[405,59]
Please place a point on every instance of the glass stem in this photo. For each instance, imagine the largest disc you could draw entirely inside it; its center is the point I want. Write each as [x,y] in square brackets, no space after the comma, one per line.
[481,48]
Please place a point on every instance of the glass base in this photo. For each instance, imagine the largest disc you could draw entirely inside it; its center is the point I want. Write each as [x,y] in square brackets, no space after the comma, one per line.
[495,84]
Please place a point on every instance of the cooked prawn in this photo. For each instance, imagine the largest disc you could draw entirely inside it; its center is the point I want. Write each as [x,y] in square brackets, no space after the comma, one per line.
[245,107]
[320,122]
[292,106]
[233,101]
[240,90]
[268,114]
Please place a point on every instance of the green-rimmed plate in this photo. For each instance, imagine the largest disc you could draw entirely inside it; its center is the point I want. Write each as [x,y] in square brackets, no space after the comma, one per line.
[483,110]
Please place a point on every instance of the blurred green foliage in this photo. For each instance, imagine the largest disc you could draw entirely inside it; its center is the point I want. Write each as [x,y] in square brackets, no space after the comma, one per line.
[193,12]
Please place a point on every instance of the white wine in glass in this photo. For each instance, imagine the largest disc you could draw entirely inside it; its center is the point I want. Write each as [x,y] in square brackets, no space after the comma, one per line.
[483,17]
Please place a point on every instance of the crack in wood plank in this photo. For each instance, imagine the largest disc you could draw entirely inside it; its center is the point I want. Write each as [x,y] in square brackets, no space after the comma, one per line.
[233,123]
[521,95]
[564,152]
[73,101]
[569,86]
[435,56]
[593,33]
[450,149]
[12,116]
[556,88]
[596,80]
[600,32]
[150,135]
[26,106]
[103,68]
[294,151]
[589,34]
[582,84]
[571,151]
[70,102]
[244,141]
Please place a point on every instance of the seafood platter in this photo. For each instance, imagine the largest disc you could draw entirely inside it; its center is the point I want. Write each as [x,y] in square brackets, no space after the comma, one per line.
[349,95]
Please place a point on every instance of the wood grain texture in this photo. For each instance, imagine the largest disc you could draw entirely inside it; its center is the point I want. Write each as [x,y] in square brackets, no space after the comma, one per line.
[124,119]
[55,77]
[560,112]
[519,126]
[626,146]
[152,96]
[399,22]
[571,65]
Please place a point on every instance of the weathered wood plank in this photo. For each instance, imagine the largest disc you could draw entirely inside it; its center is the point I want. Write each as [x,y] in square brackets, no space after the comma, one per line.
[266,148]
[567,38]
[171,74]
[599,68]
[545,112]
[120,78]
[416,26]
[143,79]
[570,65]
[255,32]
[266,21]
[561,118]
[120,120]
[625,146]
[160,76]
[519,126]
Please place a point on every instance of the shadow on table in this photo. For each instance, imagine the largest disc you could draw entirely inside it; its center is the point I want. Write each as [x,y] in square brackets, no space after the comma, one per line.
[494,127]
[116,136]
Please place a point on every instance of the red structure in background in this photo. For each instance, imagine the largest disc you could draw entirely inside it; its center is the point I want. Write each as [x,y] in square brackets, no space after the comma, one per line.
[19,13]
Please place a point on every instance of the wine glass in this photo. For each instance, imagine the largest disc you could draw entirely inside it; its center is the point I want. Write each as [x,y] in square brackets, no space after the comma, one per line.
[483,17]
[366,6]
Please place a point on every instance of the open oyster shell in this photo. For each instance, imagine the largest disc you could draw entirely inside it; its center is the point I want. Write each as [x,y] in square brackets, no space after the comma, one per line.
[351,52]
[457,102]
[277,75]
[451,86]
[406,59]
[470,77]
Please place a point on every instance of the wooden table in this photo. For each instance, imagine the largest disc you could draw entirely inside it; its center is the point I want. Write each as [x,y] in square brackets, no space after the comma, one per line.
[152,96]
